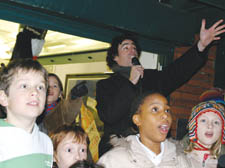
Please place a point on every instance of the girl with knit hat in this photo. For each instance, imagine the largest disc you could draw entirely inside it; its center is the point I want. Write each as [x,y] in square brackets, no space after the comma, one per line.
[206,128]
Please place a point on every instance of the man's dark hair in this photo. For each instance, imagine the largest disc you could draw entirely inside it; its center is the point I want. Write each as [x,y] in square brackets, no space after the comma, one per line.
[113,50]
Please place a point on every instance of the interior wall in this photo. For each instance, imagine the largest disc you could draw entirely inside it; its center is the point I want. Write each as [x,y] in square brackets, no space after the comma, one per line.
[187,96]
[82,68]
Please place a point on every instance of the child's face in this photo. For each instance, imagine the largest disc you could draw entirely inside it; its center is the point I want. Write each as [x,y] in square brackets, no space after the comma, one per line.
[209,128]
[154,119]
[53,90]
[27,95]
[68,152]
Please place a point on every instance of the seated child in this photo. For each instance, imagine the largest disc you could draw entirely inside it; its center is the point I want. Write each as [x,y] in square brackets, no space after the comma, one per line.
[150,148]
[23,86]
[70,145]
[206,133]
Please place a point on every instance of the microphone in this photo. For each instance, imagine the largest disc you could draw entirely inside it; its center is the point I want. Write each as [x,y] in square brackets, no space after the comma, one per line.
[221,162]
[135,61]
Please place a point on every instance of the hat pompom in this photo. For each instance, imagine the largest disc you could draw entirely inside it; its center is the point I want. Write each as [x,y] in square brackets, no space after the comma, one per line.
[215,94]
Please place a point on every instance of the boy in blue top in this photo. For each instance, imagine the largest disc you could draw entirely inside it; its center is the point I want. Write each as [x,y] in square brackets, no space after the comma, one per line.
[23,86]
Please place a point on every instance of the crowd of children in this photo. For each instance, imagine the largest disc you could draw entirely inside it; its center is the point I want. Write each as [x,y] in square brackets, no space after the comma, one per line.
[26,90]
[23,91]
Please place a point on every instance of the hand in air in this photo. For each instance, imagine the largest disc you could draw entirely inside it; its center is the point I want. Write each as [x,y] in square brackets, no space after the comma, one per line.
[211,34]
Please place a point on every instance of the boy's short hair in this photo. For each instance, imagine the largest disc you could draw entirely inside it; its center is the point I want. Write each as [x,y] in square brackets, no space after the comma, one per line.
[59,134]
[8,72]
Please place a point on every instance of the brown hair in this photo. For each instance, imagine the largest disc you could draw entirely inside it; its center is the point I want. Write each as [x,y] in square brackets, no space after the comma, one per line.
[59,134]
[8,72]
[59,82]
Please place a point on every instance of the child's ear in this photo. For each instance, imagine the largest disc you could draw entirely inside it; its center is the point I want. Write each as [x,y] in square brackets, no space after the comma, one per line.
[116,58]
[3,98]
[136,119]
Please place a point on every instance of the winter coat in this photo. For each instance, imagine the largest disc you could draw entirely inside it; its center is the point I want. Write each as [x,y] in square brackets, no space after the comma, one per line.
[65,112]
[193,157]
[132,155]
[209,163]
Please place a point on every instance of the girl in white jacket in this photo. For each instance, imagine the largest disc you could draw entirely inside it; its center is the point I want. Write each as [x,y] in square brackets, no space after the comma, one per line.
[148,149]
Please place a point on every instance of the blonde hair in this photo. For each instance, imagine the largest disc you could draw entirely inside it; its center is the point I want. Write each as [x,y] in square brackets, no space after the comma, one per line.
[214,150]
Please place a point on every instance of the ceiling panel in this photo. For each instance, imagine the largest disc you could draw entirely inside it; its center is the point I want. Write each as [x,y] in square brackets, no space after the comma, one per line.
[55,43]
